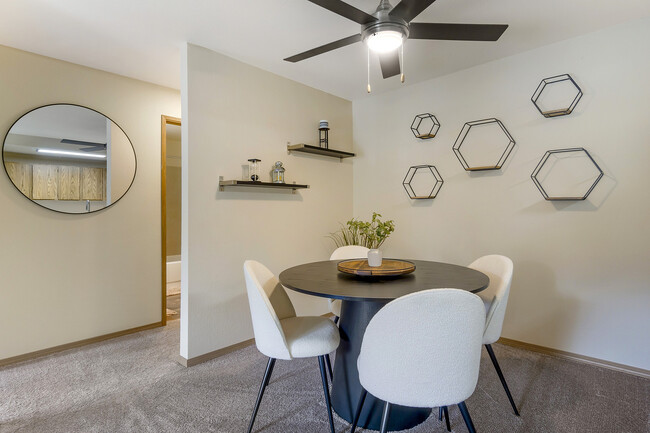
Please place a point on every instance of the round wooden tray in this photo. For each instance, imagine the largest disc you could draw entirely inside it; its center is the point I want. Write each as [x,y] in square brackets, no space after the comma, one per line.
[388,268]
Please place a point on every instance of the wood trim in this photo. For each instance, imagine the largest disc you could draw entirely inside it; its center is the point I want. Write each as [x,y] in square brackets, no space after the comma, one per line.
[49,351]
[576,357]
[191,362]
[164,121]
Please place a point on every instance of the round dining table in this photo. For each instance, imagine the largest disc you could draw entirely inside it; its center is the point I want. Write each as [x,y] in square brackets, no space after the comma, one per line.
[362,298]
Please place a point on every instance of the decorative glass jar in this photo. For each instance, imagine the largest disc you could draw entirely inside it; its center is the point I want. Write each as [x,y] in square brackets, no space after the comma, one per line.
[277,175]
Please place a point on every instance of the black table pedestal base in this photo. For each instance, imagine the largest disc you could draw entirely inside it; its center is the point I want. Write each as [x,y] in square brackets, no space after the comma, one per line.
[346,388]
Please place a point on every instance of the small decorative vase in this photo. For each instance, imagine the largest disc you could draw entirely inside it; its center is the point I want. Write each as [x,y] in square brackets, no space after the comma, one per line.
[374,258]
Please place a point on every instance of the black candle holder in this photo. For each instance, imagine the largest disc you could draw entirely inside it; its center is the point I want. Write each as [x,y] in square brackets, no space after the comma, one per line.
[547,83]
[598,174]
[425,126]
[508,144]
[423,192]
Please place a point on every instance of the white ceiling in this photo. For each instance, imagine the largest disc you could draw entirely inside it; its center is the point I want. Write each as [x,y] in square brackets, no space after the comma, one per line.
[143,38]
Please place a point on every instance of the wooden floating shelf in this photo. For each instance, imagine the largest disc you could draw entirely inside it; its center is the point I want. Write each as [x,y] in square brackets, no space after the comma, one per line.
[489,167]
[565,198]
[555,113]
[425,136]
[249,183]
[308,148]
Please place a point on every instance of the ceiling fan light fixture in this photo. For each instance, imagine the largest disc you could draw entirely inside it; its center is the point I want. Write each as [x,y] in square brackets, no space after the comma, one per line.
[385,41]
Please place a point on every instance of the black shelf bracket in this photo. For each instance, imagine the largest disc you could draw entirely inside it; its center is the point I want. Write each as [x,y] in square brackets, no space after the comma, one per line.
[422,189]
[249,183]
[308,148]
[470,128]
[576,151]
[574,93]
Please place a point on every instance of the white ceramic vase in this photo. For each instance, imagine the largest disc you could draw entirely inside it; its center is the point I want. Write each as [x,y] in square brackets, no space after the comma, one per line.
[374,258]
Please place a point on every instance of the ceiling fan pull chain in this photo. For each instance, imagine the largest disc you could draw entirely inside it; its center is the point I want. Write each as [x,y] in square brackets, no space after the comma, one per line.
[403,65]
[369,89]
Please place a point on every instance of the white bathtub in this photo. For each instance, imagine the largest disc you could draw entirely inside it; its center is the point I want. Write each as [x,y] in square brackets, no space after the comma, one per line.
[173,275]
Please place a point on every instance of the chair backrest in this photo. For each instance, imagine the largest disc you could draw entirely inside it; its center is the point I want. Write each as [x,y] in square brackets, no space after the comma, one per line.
[499,269]
[424,349]
[269,303]
[350,252]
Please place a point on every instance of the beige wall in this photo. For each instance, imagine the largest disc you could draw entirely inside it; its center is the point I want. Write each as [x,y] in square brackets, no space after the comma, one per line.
[233,112]
[64,278]
[581,273]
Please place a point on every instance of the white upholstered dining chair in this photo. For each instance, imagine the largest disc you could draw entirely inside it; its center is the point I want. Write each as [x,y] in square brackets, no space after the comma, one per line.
[499,269]
[280,334]
[423,350]
[344,253]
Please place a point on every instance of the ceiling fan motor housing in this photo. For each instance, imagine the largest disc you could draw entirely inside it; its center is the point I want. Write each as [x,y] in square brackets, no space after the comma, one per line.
[385,22]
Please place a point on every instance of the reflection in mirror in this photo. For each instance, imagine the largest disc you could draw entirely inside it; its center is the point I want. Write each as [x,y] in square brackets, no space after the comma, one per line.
[69,158]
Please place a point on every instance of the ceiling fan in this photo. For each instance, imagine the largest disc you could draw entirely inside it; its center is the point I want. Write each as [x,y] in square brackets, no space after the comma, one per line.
[388,27]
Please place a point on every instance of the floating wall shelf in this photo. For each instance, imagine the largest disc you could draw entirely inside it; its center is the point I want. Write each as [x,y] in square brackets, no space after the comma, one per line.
[505,141]
[422,189]
[249,183]
[571,88]
[577,151]
[425,126]
[307,148]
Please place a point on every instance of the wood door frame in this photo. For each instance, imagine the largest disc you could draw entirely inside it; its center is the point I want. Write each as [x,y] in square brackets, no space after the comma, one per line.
[164,120]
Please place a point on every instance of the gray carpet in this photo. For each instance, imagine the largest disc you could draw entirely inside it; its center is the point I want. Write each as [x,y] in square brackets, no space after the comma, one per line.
[133,384]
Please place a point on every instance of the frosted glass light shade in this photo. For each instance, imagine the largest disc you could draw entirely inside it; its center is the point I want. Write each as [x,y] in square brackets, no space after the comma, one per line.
[384,41]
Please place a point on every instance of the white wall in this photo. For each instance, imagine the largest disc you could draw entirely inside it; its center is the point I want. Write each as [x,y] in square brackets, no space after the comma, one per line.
[581,272]
[233,112]
[65,278]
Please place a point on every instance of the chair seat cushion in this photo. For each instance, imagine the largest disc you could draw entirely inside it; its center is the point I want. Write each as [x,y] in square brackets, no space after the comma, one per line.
[310,336]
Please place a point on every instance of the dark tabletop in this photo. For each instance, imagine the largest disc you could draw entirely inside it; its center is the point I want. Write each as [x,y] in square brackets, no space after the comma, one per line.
[324,279]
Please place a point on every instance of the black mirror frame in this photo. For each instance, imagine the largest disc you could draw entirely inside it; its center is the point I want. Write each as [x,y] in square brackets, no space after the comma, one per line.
[135,156]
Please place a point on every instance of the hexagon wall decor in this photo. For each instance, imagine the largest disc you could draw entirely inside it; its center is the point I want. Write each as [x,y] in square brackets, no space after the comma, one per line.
[425,126]
[556,96]
[488,137]
[422,182]
[566,174]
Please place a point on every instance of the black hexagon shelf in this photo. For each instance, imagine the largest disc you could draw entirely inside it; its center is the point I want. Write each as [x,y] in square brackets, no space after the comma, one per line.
[559,165]
[422,182]
[486,135]
[425,126]
[557,96]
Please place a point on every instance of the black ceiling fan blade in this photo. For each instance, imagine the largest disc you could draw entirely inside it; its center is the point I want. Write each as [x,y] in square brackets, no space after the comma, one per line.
[345,10]
[389,64]
[456,32]
[409,9]
[324,48]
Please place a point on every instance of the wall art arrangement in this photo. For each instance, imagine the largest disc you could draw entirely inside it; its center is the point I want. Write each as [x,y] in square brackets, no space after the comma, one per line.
[483,145]
[486,144]
[422,182]
[566,174]
[557,96]
[425,126]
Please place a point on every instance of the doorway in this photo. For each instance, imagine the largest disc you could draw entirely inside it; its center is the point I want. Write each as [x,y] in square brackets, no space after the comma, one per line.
[170,199]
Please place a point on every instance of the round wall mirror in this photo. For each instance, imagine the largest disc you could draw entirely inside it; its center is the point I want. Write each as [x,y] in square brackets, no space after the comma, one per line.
[69,158]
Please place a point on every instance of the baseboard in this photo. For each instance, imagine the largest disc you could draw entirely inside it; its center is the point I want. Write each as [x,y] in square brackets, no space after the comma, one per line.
[220,352]
[576,357]
[191,362]
[49,351]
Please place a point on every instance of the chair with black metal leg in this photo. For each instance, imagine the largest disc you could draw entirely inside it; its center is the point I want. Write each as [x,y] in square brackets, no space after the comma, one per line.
[423,350]
[495,297]
[279,334]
